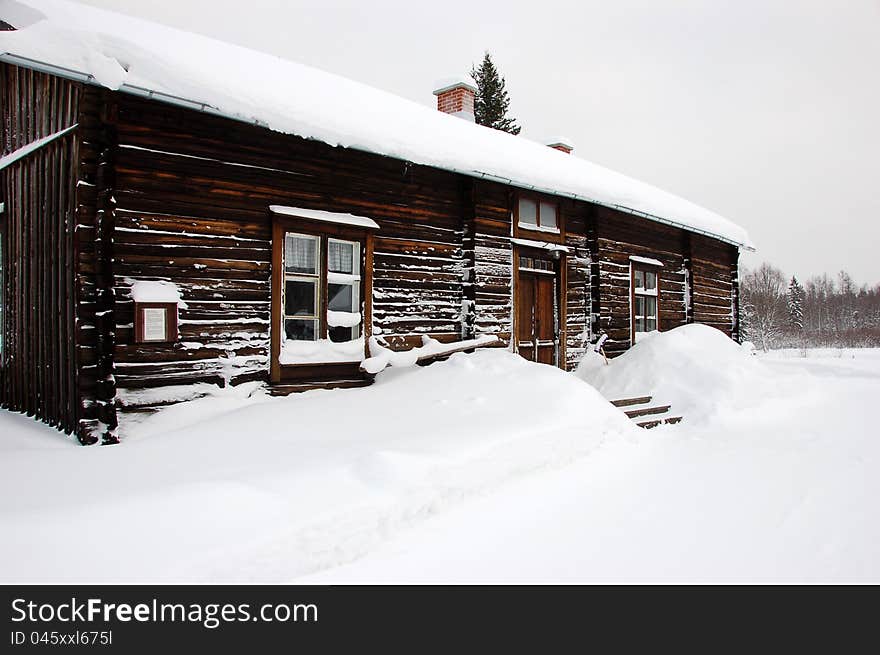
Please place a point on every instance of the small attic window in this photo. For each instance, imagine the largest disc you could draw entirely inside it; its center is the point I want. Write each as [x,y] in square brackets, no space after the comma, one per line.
[535,214]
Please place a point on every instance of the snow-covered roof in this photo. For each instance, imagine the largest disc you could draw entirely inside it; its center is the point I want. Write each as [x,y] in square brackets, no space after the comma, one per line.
[144,58]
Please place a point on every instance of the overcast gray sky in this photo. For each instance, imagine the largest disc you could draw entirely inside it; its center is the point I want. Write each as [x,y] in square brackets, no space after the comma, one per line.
[767,112]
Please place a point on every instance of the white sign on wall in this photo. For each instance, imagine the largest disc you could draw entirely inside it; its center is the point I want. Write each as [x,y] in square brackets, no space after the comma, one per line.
[155,327]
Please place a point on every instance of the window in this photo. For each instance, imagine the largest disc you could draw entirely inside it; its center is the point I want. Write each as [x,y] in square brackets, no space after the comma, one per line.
[537,214]
[321,294]
[343,290]
[302,300]
[536,264]
[644,297]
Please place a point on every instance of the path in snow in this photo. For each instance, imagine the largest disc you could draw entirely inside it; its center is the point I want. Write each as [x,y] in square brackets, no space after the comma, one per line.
[788,496]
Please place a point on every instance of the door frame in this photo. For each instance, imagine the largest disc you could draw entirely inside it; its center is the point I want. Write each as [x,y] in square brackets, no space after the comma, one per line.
[559,259]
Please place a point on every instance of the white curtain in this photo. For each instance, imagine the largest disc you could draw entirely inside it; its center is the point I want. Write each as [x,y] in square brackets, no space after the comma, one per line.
[300,253]
[340,257]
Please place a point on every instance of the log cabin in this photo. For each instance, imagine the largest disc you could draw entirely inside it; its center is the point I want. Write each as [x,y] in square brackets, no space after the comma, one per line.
[178,213]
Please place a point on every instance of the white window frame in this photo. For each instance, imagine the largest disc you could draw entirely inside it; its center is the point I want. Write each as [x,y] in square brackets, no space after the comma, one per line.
[642,292]
[355,283]
[302,277]
[537,226]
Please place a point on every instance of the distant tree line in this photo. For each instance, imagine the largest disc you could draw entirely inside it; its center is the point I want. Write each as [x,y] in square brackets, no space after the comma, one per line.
[781,312]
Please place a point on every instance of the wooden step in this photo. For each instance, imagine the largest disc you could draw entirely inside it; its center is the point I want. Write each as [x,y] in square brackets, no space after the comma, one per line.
[626,402]
[287,388]
[654,422]
[645,411]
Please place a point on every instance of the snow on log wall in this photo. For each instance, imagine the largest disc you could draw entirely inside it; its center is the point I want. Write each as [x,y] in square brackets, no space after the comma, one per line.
[192,193]
[714,284]
[49,367]
[418,260]
[578,300]
[493,261]
[697,272]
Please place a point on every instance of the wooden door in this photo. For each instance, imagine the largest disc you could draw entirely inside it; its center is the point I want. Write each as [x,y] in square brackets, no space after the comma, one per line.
[537,325]
[545,319]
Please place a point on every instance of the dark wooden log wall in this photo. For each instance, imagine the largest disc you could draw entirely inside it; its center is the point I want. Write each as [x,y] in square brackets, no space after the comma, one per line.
[697,281]
[38,375]
[493,257]
[578,301]
[715,284]
[192,193]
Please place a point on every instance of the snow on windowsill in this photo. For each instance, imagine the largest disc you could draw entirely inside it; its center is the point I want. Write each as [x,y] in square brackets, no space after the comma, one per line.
[343,319]
[342,278]
[322,351]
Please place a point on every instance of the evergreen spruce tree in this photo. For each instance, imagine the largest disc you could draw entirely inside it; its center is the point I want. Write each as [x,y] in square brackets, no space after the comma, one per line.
[795,306]
[491,103]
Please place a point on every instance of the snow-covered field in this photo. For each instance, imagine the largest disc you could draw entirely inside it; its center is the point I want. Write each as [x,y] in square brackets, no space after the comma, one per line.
[484,468]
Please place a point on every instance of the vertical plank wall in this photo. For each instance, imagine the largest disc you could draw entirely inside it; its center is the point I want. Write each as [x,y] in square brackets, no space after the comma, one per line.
[38,375]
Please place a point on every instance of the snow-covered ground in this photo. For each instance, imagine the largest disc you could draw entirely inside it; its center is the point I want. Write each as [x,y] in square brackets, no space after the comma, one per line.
[485,468]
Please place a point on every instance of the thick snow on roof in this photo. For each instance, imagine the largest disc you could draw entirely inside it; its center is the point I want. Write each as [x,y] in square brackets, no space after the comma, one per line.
[134,55]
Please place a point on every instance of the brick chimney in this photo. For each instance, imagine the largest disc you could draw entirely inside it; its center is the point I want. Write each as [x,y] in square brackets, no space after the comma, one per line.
[456,96]
[562,144]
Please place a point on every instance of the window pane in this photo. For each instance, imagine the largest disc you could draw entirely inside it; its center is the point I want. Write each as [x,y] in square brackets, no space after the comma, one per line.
[548,215]
[639,279]
[299,329]
[301,254]
[528,211]
[651,306]
[640,324]
[640,306]
[341,257]
[341,334]
[650,280]
[299,297]
[340,298]
[650,324]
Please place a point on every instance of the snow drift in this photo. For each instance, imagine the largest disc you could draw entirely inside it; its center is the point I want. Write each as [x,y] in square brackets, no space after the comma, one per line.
[697,369]
[241,486]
